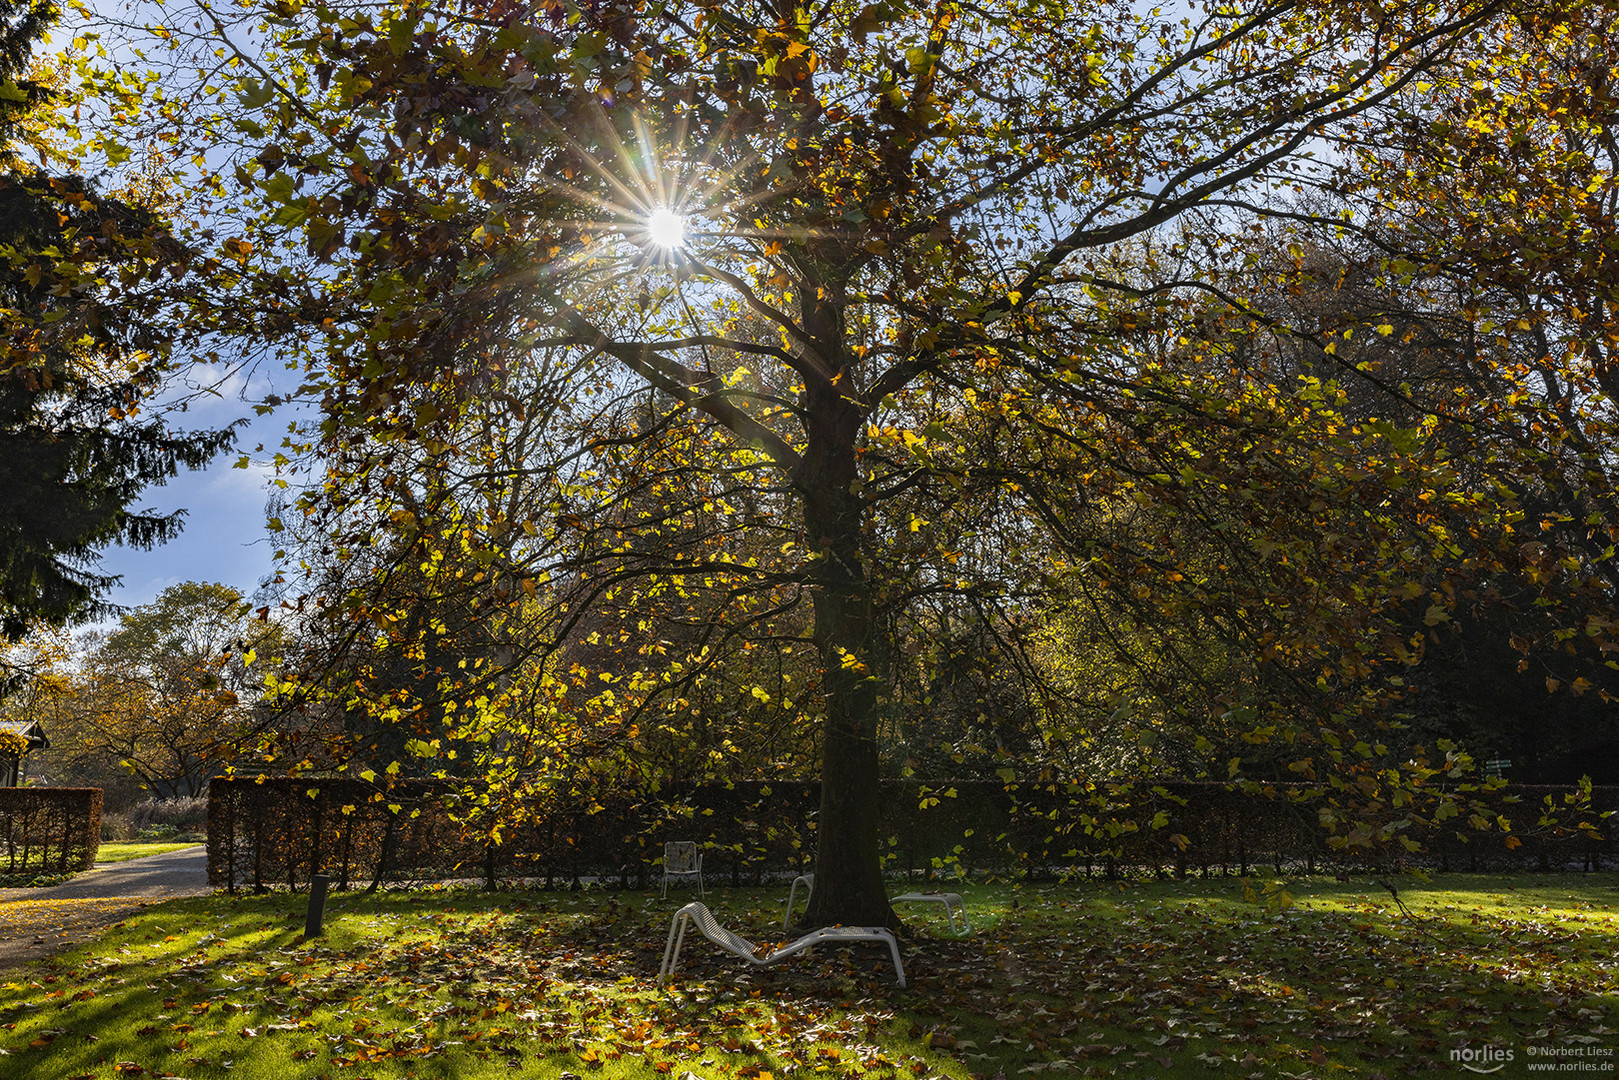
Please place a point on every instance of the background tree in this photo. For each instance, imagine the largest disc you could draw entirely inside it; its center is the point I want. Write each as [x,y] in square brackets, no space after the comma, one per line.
[173,695]
[1492,267]
[37,680]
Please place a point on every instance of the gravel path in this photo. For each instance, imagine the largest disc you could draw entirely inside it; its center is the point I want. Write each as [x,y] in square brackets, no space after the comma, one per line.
[39,922]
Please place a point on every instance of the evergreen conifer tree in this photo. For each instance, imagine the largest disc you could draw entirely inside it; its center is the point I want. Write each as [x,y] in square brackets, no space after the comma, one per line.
[84,350]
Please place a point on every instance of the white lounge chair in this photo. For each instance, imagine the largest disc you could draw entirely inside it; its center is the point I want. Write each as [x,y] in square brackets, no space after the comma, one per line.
[681,858]
[696,913]
[806,880]
[953,907]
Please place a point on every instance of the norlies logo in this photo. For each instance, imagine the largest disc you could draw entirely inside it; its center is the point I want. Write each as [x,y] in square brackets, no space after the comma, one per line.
[1481,1059]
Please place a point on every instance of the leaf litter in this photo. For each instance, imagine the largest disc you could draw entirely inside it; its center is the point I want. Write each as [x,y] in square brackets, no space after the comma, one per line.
[1145,982]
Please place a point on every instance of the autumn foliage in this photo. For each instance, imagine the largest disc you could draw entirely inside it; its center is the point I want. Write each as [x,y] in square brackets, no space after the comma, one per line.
[1234,359]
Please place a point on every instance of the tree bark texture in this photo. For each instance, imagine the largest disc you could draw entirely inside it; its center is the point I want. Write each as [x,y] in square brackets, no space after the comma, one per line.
[848,871]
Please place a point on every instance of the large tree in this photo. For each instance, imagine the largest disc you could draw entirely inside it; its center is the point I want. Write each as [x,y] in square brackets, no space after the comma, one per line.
[85,354]
[945,288]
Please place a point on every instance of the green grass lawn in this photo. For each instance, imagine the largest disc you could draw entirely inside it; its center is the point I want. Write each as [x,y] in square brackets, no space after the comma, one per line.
[1167,980]
[123,852]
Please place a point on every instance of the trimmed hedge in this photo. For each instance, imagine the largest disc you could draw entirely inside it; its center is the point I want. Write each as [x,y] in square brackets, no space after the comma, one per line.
[278,831]
[49,830]
[272,832]
[1036,829]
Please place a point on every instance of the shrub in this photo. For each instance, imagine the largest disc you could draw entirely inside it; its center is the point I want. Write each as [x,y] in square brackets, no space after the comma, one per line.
[160,819]
[117,827]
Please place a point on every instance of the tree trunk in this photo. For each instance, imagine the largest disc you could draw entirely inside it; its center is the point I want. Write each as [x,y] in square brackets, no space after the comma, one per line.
[848,872]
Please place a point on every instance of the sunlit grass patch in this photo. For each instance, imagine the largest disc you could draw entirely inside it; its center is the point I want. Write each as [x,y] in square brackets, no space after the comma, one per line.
[1166,980]
[123,852]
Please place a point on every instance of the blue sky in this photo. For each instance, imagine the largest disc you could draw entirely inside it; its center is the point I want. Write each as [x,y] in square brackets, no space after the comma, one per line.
[224,538]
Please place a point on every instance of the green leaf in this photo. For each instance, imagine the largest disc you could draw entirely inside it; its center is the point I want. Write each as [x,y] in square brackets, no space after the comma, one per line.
[291,215]
[278,188]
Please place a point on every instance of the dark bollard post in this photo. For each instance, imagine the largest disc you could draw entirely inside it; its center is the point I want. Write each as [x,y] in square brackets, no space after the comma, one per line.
[317,905]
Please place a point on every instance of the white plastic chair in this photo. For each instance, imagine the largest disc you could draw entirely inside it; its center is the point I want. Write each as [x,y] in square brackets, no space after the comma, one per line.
[682,859]
[697,914]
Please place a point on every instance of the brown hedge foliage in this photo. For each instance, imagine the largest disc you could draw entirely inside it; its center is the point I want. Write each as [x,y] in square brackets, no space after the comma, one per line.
[1037,829]
[278,832]
[49,830]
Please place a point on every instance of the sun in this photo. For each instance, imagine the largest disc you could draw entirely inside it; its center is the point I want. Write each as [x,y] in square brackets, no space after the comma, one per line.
[665,228]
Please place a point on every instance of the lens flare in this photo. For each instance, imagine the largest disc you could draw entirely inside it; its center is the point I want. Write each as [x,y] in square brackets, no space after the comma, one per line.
[665,228]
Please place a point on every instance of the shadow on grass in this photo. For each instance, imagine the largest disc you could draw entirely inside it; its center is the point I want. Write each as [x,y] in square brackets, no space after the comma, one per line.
[1163,980]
